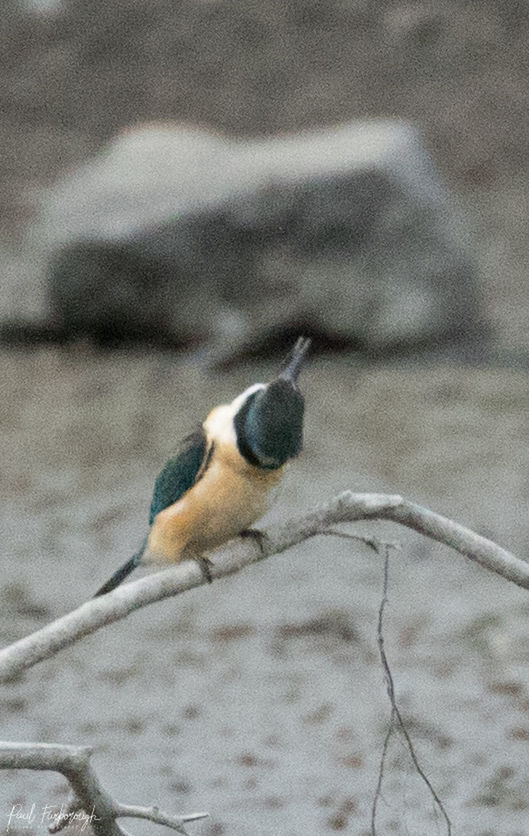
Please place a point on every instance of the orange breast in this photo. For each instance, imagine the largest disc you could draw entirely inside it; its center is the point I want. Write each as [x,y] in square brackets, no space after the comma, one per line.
[230,497]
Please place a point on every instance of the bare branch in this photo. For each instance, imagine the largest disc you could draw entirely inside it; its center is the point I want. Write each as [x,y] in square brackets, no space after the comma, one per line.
[65,815]
[74,763]
[90,802]
[345,508]
[157,816]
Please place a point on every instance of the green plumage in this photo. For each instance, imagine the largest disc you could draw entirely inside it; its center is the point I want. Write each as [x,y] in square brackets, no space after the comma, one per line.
[180,473]
[177,477]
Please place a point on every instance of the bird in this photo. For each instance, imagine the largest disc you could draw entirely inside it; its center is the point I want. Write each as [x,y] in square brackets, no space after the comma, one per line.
[221,479]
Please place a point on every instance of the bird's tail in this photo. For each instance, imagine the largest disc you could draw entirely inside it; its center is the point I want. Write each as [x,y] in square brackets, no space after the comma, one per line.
[125,570]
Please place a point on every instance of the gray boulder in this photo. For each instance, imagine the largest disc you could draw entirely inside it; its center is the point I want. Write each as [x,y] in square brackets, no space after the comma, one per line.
[178,233]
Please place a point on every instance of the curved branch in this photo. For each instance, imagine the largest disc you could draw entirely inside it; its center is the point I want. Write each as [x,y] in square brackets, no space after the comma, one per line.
[100,810]
[347,507]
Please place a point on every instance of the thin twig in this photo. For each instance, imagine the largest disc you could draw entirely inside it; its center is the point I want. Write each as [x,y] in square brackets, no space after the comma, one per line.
[380,779]
[371,542]
[395,712]
[345,508]
[157,816]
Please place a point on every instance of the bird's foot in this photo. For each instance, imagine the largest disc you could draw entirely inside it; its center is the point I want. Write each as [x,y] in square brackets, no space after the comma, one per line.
[260,537]
[205,566]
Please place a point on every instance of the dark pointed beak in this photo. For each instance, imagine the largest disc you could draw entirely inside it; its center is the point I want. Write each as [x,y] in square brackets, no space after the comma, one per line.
[293,363]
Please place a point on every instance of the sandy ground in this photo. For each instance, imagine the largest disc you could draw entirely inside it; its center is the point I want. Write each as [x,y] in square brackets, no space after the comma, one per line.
[261,699]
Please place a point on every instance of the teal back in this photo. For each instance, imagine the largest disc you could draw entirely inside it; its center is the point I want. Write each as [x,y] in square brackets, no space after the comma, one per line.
[180,473]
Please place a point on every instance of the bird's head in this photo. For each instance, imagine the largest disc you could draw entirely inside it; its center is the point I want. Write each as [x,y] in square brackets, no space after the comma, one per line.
[268,419]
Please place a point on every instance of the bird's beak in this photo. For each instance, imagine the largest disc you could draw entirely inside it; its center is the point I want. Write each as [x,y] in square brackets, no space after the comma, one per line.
[293,363]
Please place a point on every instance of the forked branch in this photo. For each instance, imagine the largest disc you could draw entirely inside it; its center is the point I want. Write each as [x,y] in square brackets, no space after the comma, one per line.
[90,803]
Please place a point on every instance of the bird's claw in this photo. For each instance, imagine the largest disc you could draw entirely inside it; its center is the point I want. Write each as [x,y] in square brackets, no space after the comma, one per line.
[205,566]
[260,537]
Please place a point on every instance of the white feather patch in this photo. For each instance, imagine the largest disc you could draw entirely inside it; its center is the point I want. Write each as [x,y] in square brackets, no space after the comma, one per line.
[219,424]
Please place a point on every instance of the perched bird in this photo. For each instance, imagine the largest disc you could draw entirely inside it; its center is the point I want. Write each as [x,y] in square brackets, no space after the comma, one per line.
[219,483]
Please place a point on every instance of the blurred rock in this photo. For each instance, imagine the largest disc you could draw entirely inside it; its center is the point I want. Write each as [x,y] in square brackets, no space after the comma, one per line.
[180,234]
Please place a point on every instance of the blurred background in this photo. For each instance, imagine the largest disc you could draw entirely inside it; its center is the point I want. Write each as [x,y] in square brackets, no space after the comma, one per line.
[195,176]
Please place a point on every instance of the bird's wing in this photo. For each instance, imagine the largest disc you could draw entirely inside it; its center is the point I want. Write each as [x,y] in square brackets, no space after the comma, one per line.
[181,472]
